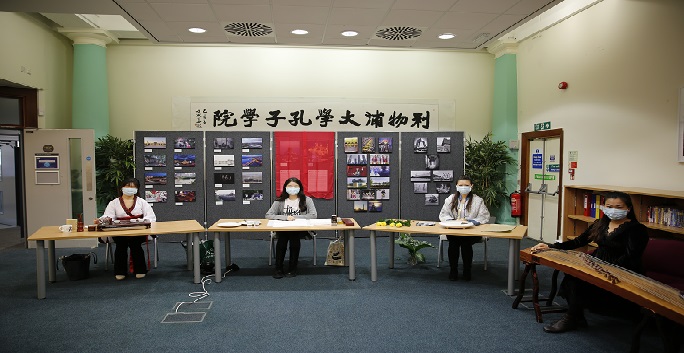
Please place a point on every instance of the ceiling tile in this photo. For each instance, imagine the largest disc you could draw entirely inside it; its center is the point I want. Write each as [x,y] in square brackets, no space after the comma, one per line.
[300,14]
[435,5]
[364,4]
[178,1]
[355,16]
[526,7]
[285,30]
[243,13]
[411,18]
[241,2]
[141,11]
[336,30]
[252,40]
[464,20]
[314,3]
[498,6]
[184,12]
[214,29]
[158,29]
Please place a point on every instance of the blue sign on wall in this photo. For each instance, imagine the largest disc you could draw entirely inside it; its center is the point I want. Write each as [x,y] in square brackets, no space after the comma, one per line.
[537,161]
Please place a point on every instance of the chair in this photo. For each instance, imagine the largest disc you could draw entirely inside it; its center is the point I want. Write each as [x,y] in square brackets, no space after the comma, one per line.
[109,253]
[440,249]
[274,236]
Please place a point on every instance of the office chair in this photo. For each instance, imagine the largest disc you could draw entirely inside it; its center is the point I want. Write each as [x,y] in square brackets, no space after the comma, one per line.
[440,255]
[274,236]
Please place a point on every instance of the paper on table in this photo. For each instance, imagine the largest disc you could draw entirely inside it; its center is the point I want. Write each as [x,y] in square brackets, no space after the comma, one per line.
[295,223]
[502,228]
[320,222]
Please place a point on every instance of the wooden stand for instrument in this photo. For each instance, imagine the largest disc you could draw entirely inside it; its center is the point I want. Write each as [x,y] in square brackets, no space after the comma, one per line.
[530,266]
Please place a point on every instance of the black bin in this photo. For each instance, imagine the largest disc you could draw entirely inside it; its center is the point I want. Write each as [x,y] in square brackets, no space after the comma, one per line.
[77,266]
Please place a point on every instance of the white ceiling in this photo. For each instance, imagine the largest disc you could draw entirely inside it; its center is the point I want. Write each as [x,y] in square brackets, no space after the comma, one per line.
[474,22]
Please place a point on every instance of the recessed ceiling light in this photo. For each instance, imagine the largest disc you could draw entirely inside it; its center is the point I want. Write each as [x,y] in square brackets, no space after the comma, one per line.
[350,33]
[299,31]
[446,36]
[197,30]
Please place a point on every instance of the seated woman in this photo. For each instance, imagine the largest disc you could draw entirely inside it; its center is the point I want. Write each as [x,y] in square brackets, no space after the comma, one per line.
[129,205]
[290,205]
[466,206]
[621,241]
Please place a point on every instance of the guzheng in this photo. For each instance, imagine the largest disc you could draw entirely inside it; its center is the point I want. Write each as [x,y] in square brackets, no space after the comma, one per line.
[649,293]
[124,225]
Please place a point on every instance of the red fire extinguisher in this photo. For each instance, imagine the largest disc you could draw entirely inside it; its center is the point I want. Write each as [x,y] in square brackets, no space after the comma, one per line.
[516,204]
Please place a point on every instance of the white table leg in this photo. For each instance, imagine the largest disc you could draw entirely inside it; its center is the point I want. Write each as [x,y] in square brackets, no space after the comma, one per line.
[196,257]
[352,266]
[41,282]
[217,257]
[374,257]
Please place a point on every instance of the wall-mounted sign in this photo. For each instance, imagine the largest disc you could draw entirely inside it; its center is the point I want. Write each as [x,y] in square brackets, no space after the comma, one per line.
[537,160]
[542,126]
[544,177]
[48,148]
[553,168]
[47,162]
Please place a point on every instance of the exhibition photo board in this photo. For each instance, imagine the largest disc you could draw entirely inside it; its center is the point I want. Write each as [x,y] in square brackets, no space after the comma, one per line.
[170,167]
[431,162]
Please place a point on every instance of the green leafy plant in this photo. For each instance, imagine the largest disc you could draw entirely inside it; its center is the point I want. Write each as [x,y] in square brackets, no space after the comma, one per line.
[113,163]
[413,246]
[485,163]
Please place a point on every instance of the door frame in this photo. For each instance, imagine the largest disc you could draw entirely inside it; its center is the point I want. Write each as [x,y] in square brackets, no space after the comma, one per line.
[524,167]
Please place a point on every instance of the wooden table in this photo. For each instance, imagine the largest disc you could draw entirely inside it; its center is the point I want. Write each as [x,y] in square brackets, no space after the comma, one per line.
[514,237]
[264,227]
[51,233]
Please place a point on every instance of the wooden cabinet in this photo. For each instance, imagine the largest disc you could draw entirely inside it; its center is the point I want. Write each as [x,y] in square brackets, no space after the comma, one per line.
[575,222]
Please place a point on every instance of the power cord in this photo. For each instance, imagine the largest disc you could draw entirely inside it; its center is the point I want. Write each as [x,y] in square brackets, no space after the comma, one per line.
[206,280]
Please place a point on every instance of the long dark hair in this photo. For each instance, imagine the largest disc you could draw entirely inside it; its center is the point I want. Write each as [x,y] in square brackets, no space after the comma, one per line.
[302,198]
[127,181]
[600,227]
[457,195]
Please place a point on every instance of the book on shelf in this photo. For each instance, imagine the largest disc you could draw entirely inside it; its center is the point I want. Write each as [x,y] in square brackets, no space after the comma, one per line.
[666,216]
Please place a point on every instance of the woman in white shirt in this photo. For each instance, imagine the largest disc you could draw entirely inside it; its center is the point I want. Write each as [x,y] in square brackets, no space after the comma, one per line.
[129,205]
[466,206]
[290,205]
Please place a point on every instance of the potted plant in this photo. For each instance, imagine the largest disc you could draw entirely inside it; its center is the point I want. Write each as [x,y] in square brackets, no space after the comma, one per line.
[485,163]
[113,163]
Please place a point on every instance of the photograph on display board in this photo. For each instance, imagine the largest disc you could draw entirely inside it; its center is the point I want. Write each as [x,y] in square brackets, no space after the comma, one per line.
[252,160]
[420,188]
[156,196]
[431,161]
[382,194]
[432,200]
[249,143]
[185,178]
[379,159]
[183,160]
[351,145]
[224,178]
[184,142]
[357,183]
[368,195]
[224,160]
[357,159]
[252,178]
[368,145]
[443,188]
[353,194]
[154,142]
[379,182]
[384,145]
[357,170]
[383,170]
[443,144]
[374,206]
[185,196]
[225,195]
[156,178]
[224,143]
[421,175]
[420,145]
[442,175]
[155,160]
[252,195]
[360,206]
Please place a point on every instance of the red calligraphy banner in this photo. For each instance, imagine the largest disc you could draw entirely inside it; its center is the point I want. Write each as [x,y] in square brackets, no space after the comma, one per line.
[308,156]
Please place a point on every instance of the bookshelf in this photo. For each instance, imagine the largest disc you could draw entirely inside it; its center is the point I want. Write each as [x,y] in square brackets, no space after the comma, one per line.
[575,222]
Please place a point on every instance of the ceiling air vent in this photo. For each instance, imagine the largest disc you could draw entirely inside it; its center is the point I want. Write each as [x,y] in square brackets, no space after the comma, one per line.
[245,29]
[398,33]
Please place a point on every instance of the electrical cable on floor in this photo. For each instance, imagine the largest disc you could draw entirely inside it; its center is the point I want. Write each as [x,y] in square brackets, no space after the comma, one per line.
[206,280]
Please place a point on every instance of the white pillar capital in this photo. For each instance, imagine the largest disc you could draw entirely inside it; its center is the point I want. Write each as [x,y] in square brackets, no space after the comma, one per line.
[503,46]
[95,36]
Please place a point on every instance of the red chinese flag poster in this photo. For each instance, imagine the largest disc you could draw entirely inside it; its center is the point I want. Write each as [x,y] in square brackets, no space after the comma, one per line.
[308,156]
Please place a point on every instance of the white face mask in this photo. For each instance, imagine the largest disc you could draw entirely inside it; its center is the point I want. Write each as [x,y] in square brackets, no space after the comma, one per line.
[464,190]
[129,191]
[292,191]
[615,213]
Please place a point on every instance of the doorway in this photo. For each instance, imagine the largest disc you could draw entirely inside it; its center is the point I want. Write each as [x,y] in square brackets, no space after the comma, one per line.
[11,209]
[541,180]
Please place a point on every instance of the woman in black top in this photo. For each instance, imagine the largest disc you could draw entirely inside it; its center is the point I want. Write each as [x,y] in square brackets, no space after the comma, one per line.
[621,241]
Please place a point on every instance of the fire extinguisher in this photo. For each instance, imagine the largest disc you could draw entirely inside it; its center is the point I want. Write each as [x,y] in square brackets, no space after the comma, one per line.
[516,204]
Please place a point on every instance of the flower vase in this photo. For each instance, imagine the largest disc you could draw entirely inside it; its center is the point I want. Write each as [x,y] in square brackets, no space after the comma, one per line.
[413,259]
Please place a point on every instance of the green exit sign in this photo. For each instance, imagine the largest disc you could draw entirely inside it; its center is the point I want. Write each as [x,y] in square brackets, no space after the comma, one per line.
[542,126]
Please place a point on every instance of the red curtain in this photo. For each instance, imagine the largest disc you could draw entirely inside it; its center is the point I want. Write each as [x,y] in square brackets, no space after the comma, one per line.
[308,156]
